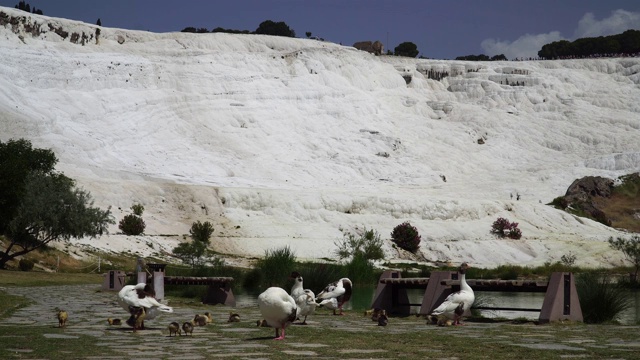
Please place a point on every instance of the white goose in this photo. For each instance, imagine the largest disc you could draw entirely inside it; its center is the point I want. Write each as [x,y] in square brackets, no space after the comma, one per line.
[331,304]
[278,309]
[457,303]
[305,299]
[340,290]
[133,297]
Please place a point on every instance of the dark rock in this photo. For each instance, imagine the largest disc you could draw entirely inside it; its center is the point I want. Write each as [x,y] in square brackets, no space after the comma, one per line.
[589,186]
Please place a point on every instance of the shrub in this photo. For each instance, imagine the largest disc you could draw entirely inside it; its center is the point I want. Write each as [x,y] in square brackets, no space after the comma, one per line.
[514,232]
[201,231]
[503,227]
[600,299]
[560,203]
[276,266]
[25,265]
[137,209]
[368,246]
[406,237]
[132,225]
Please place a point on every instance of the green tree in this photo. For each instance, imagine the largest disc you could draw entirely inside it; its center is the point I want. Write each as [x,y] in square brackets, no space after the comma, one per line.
[52,209]
[201,231]
[269,27]
[368,246]
[631,249]
[308,33]
[196,252]
[406,49]
[17,160]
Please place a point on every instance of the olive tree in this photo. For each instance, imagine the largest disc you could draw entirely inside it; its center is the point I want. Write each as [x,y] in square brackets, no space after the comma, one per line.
[41,205]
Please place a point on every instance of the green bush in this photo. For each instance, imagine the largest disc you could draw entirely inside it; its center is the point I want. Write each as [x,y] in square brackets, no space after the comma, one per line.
[276,266]
[406,237]
[201,231]
[132,225]
[25,265]
[367,245]
[137,209]
[600,299]
[559,203]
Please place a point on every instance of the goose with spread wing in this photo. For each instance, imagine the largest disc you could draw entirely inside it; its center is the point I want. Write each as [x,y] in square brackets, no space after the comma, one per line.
[133,297]
[341,290]
[457,303]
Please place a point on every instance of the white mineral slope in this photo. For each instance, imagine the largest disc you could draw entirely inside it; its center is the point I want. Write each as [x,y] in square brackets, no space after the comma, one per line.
[279,141]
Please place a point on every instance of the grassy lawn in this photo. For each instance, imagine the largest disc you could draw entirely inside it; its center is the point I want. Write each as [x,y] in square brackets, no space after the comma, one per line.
[37,278]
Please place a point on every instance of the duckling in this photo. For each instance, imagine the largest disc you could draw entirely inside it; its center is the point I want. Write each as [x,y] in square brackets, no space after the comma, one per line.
[139,316]
[174,328]
[188,328]
[383,320]
[199,320]
[209,318]
[263,323]
[233,317]
[62,318]
[368,312]
[114,321]
[375,315]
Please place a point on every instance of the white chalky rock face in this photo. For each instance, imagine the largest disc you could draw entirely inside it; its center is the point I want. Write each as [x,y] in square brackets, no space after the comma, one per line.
[290,142]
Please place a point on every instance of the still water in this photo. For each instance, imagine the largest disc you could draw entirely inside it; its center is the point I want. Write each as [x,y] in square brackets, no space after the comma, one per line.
[363,296]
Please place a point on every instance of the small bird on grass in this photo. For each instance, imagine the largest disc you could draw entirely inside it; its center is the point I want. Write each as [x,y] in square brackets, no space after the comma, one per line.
[383,320]
[209,318]
[139,316]
[233,317]
[375,315]
[199,320]
[114,321]
[174,329]
[188,328]
[62,318]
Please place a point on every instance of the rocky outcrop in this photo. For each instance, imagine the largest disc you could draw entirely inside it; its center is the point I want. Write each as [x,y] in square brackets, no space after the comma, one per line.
[375,47]
[588,186]
[582,196]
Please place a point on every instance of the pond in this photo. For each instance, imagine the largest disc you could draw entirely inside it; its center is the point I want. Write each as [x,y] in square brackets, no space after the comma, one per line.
[363,296]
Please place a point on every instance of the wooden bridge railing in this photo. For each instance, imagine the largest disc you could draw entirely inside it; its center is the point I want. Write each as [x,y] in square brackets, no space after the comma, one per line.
[560,302]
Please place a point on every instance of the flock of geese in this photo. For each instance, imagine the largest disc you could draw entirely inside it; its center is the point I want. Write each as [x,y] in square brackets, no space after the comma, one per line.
[280,308]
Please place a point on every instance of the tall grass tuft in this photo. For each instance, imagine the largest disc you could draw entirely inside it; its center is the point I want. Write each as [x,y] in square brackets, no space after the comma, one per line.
[276,266]
[316,276]
[361,271]
[601,300]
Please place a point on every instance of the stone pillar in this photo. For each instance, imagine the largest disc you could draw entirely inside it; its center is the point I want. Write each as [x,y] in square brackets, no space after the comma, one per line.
[158,279]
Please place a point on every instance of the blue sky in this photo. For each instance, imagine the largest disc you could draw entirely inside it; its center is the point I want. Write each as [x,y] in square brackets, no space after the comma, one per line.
[441,29]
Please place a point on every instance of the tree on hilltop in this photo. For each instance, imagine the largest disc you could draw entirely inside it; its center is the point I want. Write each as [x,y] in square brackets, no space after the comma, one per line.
[22,5]
[407,48]
[269,27]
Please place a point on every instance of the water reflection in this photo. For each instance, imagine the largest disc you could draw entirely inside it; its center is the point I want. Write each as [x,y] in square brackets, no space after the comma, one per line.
[363,296]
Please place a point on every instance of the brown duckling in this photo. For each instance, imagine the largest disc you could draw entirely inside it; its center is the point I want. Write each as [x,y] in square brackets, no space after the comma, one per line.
[114,321]
[174,329]
[62,318]
[188,328]
[233,317]
[199,320]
